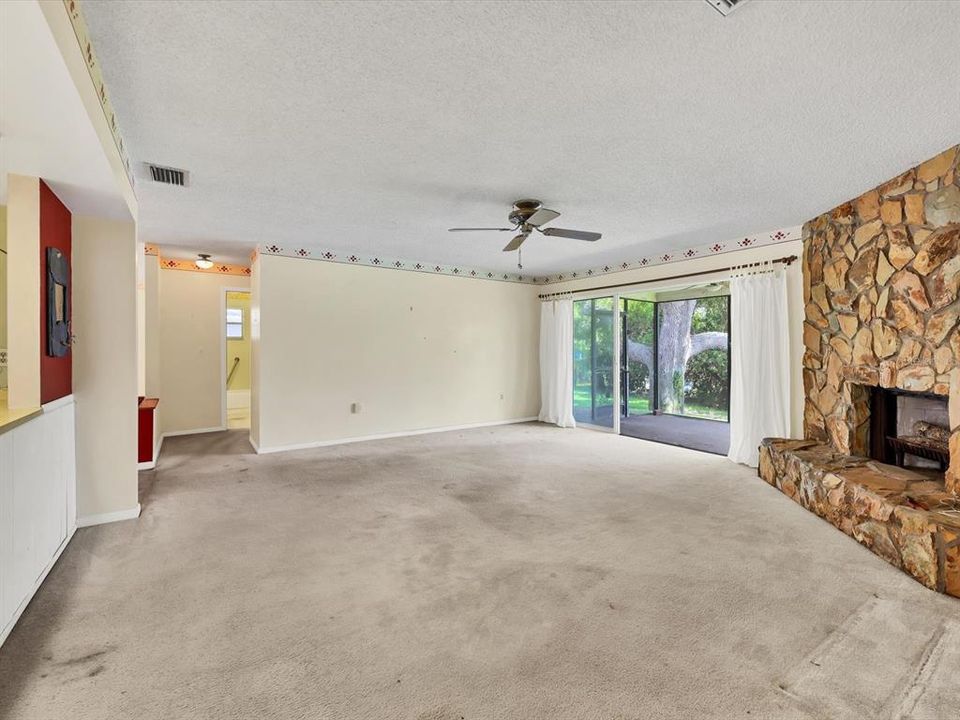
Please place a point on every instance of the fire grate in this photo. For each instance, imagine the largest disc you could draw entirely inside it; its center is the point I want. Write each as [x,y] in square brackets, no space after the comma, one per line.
[920,446]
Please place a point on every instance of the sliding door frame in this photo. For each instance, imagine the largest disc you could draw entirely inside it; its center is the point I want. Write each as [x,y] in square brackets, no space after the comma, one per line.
[625,400]
[615,370]
[645,286]
[616,363]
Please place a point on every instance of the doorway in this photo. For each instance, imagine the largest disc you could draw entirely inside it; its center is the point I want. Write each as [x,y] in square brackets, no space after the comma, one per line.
[236,343]
[675,368]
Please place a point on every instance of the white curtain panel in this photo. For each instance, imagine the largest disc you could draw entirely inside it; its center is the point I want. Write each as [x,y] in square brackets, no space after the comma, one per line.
[760,363]
[556,363]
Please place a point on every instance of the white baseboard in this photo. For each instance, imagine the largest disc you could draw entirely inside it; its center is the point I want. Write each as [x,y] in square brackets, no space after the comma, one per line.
[384,436]
[36,586]
[197,431]
[103,518]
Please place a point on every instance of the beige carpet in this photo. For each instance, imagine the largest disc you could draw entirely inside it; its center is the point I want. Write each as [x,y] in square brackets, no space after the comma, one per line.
[518,572]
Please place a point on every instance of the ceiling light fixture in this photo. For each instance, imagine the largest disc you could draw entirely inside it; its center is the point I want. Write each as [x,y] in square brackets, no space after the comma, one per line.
[204,262]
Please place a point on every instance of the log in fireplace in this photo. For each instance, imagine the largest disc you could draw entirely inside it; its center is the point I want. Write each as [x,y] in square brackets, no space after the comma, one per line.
[909,429]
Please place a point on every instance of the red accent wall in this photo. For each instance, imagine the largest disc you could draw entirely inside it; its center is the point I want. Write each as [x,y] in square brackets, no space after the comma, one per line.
[56,373]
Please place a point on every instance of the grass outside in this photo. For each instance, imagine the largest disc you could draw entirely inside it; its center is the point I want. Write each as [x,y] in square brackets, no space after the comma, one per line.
[640,405]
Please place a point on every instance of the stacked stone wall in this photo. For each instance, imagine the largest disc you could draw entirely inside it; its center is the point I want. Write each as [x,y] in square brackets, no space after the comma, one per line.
[881,289]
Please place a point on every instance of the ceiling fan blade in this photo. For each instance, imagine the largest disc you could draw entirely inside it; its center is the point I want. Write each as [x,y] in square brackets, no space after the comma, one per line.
[572,234]
[472,229]
[542,217]
[516,242]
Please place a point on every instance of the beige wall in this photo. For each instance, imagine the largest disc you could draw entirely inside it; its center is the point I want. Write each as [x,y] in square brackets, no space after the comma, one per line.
[141,320]
[239,348]
[105,365]
[151,338]
[191,354]
[23,290]
[3,289]
[704,265]
[417,351]
[255,350]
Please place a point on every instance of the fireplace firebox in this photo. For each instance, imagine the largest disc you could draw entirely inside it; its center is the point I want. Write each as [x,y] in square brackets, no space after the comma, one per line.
[909,429]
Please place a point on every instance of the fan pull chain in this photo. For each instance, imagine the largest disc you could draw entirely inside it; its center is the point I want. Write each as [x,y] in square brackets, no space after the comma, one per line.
[519,258]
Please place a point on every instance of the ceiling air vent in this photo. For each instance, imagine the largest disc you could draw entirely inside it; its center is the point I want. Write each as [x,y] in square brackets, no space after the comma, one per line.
[167,175]
[725,7]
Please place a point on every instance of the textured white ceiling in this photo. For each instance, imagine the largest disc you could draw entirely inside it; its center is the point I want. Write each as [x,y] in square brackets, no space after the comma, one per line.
[44,128]
[374,126]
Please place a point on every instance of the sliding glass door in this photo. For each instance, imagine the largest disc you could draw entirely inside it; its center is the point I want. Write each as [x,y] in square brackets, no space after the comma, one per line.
[693,357]
[637,341]
[674,359]
[593,361]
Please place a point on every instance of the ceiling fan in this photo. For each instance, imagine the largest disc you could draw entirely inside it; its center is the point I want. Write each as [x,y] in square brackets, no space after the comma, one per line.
[529,215]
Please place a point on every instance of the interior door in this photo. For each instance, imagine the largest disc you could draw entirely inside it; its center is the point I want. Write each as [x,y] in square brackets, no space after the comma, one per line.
[593,361]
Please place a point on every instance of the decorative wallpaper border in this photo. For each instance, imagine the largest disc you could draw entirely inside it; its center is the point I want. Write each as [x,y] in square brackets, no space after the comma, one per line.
[83,38]
[672,256]
[348,258]
[218,269]
[190,266]
[690,253]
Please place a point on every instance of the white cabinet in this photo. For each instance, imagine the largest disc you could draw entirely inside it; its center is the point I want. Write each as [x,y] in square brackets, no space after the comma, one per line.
[37,504]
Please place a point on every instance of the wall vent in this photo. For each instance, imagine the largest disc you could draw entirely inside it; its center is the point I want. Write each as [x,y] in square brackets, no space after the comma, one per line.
[725,7]
[167,175]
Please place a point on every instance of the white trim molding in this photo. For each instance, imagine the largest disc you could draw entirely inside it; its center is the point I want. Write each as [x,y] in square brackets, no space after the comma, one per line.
[196,431]
[103,518]
[385,436]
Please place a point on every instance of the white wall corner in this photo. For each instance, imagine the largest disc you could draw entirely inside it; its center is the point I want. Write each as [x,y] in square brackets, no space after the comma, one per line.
[103,518]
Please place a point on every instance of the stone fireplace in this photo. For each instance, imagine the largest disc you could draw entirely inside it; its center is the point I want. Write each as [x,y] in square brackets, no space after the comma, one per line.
[881,373]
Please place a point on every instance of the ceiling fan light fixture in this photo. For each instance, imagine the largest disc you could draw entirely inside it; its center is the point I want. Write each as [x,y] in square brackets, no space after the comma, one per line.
[203,261]
[529,215]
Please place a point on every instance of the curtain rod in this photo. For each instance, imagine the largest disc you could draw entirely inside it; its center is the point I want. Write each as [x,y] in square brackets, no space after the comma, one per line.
[786,260]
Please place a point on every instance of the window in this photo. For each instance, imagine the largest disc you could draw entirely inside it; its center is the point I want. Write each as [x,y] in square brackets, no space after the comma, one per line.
[235,323]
